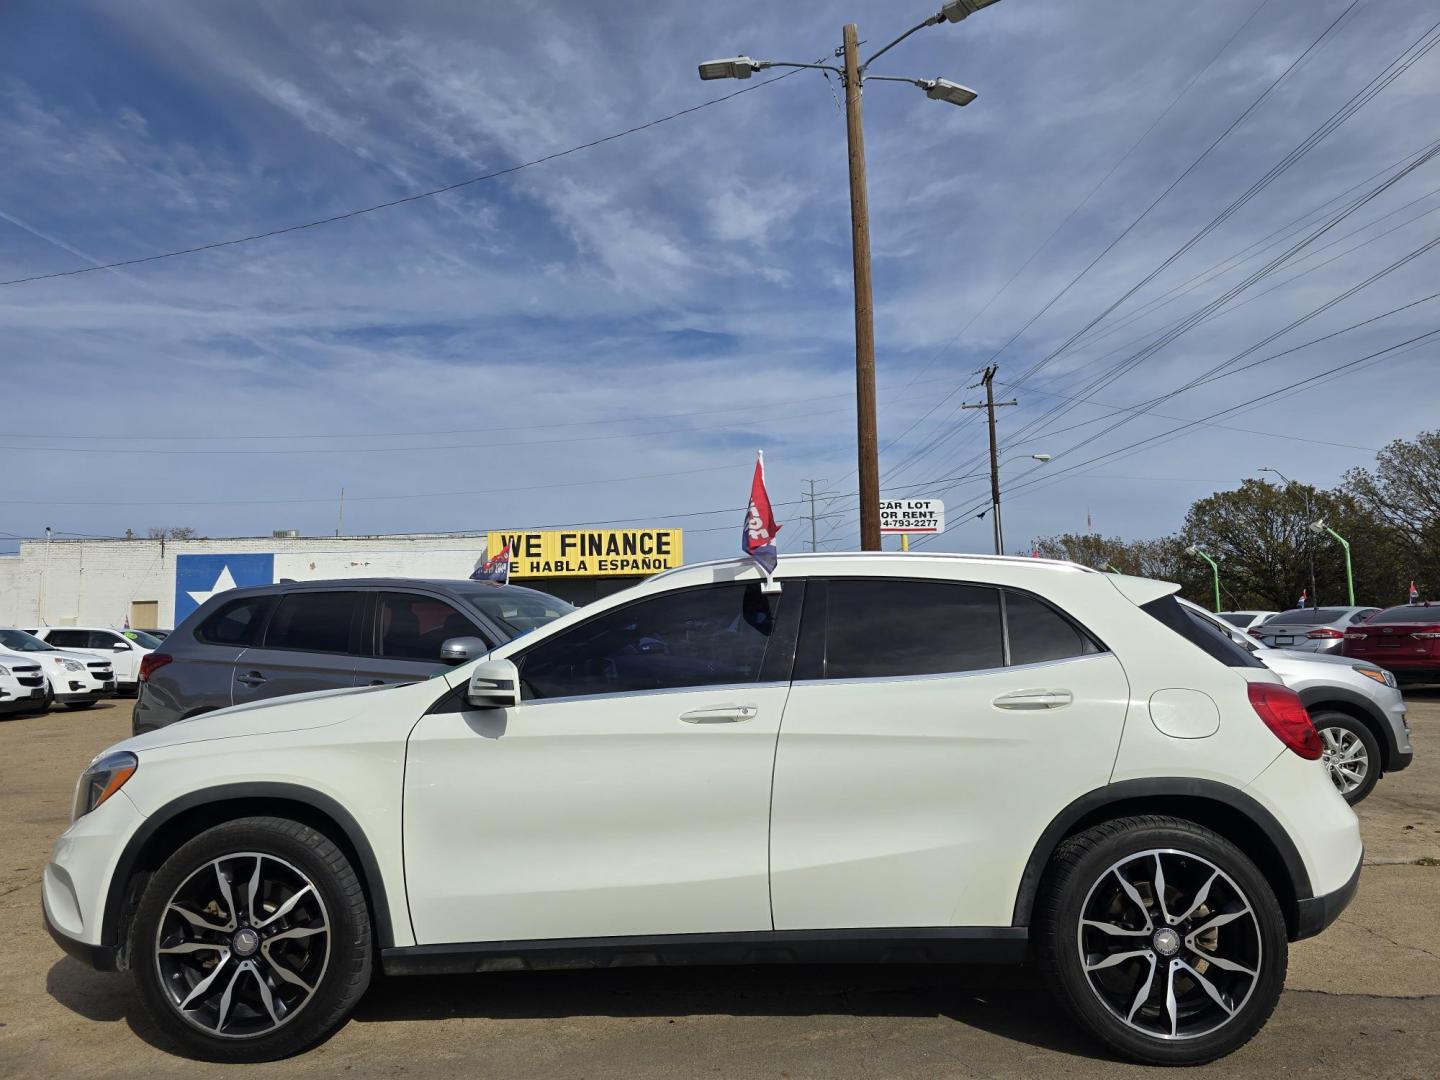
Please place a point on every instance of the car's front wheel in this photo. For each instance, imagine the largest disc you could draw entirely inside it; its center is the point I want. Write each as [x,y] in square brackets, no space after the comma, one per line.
[1351,754]
[1162,939]
[252,941]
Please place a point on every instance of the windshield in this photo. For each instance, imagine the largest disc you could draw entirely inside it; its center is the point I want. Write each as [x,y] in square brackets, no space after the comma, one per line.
[1307,616]
[20,641]
[141,638]
[515,610]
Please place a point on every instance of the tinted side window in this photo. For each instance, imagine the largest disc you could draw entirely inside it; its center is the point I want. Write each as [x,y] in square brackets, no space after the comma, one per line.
[1039,633]
[313,622]
[1167,610]
[413,627]
[693,637]
[104,639]
[886,627]
[69,639]
[236,623]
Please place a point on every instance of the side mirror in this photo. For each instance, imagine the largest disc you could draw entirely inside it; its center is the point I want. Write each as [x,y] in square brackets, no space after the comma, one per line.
[120,646]
[461,650]
[494,684]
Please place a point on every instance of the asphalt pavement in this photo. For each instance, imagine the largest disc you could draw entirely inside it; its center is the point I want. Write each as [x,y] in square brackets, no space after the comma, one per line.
[1362,1000]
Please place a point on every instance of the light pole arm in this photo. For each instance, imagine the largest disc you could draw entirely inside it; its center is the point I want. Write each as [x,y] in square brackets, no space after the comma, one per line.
[932,21]
[761,65]
[1349,570]
[1215,572]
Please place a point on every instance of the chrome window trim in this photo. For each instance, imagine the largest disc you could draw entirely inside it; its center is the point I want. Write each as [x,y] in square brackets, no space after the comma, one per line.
[734,687]
[963,674]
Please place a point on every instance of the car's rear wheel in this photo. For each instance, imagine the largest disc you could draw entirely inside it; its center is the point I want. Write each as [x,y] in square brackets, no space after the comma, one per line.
[1351,754]
[252,941]
[1162,939]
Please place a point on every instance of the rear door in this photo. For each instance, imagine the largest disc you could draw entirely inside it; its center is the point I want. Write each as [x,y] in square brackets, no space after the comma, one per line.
[311,643]
[406,634]
[124,655]
[923,750]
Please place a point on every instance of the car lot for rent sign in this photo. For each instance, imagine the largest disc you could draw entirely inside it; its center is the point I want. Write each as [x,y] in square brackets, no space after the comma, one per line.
[912,516]
[589,552]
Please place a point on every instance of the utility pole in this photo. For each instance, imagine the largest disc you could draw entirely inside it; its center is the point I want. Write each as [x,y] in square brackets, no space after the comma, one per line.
[867,441]
[340,524]
[810,496]
[990,405]
[853,74]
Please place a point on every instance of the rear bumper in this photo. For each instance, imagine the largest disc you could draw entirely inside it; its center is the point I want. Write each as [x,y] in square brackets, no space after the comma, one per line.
[1315,914]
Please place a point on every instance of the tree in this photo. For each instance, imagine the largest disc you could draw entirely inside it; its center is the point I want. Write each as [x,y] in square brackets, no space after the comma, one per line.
[1402,495]
[170,532]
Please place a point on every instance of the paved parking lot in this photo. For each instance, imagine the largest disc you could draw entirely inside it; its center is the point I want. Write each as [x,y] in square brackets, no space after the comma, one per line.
[1363,1000]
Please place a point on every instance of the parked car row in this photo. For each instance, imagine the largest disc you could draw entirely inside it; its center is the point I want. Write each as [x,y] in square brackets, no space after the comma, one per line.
[1355,705]
[34,675]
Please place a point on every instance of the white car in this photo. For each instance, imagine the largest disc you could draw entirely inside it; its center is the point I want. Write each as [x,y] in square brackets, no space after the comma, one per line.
[894,757]
[22,685]
[123,648]
[1245,620]
[75,680]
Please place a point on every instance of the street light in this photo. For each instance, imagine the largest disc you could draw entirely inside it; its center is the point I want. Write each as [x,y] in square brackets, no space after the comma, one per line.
[1319,528]
[852,76]
[732,67]
[994,506]
[1310,548]
[1193,551]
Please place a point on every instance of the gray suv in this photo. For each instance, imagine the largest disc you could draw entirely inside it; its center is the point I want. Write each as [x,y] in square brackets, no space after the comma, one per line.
[251,644]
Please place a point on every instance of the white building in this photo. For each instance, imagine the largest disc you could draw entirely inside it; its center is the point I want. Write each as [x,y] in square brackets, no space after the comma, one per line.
[156,583]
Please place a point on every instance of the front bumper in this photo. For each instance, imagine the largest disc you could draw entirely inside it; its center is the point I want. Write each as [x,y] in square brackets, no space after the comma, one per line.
[1315,914]
[99,957]
[77,882]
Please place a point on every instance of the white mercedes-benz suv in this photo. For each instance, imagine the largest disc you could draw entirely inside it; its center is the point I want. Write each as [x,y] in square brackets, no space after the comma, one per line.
[890,758]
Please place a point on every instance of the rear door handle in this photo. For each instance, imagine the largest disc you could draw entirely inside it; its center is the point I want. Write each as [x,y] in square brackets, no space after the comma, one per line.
[720,714]
[251,678]
[1034,699]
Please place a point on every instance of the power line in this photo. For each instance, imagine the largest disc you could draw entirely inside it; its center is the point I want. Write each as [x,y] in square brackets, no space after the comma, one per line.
[416,197]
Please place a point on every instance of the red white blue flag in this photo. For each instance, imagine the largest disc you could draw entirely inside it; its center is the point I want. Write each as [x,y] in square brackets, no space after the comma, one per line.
[1304,598]
[757,538]
[495,569]
[1414,593]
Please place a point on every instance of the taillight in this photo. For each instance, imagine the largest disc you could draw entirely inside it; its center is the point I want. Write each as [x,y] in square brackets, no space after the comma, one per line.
[1353,635]
[1255,633]
[1283,713]
[1325,632]
[151,663]
[1432,632]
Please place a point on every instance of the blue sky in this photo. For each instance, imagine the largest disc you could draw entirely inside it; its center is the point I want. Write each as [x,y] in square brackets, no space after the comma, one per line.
[612,334]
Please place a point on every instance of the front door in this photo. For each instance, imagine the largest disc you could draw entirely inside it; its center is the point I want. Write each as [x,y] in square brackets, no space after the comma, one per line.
[923,753]
[629,794]
[310,644]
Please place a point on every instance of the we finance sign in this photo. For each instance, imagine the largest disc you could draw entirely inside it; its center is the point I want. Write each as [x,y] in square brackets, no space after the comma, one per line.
[588,552]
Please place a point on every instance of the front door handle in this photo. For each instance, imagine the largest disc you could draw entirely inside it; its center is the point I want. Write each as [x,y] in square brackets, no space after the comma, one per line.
[251,678]
[720,714]
[1034,699]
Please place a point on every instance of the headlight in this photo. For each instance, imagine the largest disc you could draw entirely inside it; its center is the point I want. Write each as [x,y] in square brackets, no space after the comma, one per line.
[105,776]
[70,665]
[1380,675]
[4,670]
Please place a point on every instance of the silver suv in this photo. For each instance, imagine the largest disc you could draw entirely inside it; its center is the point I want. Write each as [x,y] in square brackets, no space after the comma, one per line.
[250,644]
[1355,705]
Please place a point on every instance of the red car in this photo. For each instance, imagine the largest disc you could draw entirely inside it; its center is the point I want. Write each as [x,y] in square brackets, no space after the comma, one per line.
[1405,640]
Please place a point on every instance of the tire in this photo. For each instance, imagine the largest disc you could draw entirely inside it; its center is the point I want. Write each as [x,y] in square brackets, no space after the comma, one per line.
[1124,1002]
[1349,745]
[79,704]
[274,1003]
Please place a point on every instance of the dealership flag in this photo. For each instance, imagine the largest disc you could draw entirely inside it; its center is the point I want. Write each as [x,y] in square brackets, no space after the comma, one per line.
[495,570]
[1304,597]
[757,538]
[1414,593]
